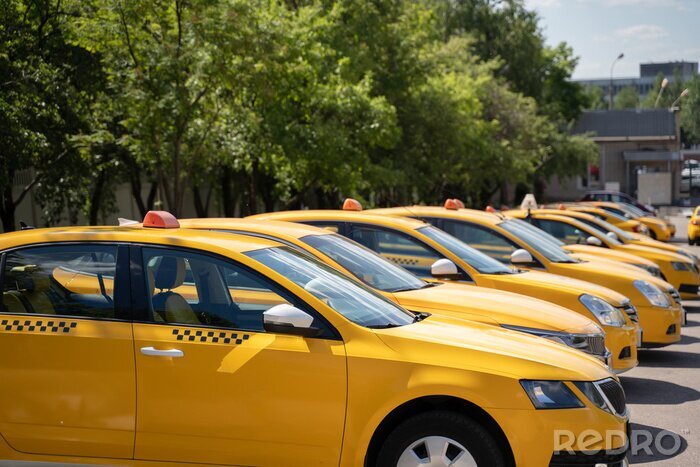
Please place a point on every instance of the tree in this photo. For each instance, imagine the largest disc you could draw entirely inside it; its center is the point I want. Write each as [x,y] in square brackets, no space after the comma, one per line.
[627,98]
[690,112]
[595,98]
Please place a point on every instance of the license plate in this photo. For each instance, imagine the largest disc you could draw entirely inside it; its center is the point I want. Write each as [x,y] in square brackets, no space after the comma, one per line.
[640,333]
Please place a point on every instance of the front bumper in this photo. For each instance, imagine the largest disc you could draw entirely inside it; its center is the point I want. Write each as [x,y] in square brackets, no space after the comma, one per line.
[662,326]
[622,343]
[535,435]
[589,459]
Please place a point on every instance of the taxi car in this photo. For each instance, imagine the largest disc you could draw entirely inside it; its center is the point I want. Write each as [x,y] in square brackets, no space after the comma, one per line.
[659,229]
[153,345]
[430,253]
[508,310]
[512,240]
[621,222]
[694,227]
[676,266]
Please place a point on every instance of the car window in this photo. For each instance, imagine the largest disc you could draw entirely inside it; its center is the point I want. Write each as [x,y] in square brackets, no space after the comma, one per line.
[195,289]
[487,241]
[398,248]
[475,258]
[552,252]
[62,280]
[567,233]
[352,300]
[364,263]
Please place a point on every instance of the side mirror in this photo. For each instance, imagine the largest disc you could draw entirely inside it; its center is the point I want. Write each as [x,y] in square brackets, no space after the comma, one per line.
[521,256]
[612,235]
[445,269]
[594,241]
[286,319]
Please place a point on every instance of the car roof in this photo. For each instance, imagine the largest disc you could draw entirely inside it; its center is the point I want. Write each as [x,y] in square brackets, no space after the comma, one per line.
[218,242]
[554,212]
[437,211]
[368,217]
[269,227]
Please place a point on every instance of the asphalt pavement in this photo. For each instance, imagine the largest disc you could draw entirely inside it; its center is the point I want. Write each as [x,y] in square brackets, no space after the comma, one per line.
[663,394]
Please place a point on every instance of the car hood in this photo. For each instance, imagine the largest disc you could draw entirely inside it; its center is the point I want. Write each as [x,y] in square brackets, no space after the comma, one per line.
[495,307]
[653,253]
[553,283]
[445,341]
[588,253]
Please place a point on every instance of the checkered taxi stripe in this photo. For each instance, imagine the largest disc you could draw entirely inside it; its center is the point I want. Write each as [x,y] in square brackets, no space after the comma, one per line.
[210,336]
[20,325]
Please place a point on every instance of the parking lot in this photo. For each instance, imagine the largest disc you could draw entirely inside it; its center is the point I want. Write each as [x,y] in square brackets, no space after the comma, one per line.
[663,393]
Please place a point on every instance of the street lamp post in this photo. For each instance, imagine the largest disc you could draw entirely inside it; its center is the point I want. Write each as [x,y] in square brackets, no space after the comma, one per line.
[664,83]
[683,94]
[610,89]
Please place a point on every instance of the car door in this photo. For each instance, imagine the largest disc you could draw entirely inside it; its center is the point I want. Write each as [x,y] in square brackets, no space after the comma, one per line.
[68,374]
[213,385]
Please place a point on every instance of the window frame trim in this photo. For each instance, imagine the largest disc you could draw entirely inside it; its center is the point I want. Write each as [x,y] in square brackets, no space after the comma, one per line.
[122,302]
[146,319]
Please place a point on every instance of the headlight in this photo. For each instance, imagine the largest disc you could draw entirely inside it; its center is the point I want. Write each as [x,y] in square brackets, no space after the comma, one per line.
[593,344]
[605,312]
[551,395]
[678,266]
[593,394]
[652,293]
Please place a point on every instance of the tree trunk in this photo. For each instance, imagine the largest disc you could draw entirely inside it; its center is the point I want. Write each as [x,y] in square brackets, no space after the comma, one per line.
[7,210]
[96,198]
[227,197]
[201,206]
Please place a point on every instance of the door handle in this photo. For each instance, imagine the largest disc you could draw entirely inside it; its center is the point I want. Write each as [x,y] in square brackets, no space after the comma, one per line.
[153,352]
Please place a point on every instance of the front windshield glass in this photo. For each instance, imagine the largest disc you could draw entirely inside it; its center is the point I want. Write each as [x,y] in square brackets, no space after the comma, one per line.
[550,251]
[354,301]
[476,259]
[546,236]
[606,228]
[634,210]
[594,230]
[365,264]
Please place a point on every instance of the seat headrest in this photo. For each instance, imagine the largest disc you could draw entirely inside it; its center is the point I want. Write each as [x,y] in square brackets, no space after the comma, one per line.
[170,273]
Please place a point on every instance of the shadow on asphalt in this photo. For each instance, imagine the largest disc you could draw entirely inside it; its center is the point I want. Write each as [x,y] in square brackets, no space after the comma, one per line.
[668,359]
[685,340]
[652,392]
[652,444]
[692,309]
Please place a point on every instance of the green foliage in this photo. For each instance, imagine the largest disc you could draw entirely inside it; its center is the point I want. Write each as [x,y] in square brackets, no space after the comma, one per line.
[627,98]
[594,98]
[690,111]
[255,104]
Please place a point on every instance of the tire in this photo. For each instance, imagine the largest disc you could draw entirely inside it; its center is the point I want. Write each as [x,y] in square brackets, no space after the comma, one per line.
[466,441]
[652,234]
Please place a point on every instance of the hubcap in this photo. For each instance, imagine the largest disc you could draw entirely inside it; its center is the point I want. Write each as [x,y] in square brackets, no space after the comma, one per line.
[436,451]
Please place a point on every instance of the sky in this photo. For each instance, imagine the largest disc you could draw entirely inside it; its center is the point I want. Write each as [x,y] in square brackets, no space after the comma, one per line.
[644,30]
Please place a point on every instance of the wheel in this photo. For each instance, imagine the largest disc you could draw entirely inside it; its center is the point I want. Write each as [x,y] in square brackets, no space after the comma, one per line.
[652,234]
[440,438]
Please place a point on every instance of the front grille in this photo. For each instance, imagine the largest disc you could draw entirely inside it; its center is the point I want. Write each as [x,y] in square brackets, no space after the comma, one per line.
[675,295]
[588,459]
[615,394]
[688,288]
[596,344]
[631,311]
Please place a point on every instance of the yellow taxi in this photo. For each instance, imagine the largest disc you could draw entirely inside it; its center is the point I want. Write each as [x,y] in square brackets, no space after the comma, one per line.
[430,253]
[512,311]
[676,266]
[694,227]
[157,345]
[517,242]
[658,228]
[621,222]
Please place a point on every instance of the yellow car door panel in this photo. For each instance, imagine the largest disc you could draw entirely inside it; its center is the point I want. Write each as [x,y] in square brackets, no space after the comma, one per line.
[69,388]
[230,392]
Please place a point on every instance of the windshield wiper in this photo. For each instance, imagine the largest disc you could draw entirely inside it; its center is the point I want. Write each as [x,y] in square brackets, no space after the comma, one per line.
[384,326]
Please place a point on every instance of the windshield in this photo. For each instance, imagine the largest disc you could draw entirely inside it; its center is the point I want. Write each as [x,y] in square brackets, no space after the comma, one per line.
[476,259]
[550,251]
[365,264]
[546,236]
[606,227]
[354,301]
[634,210]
